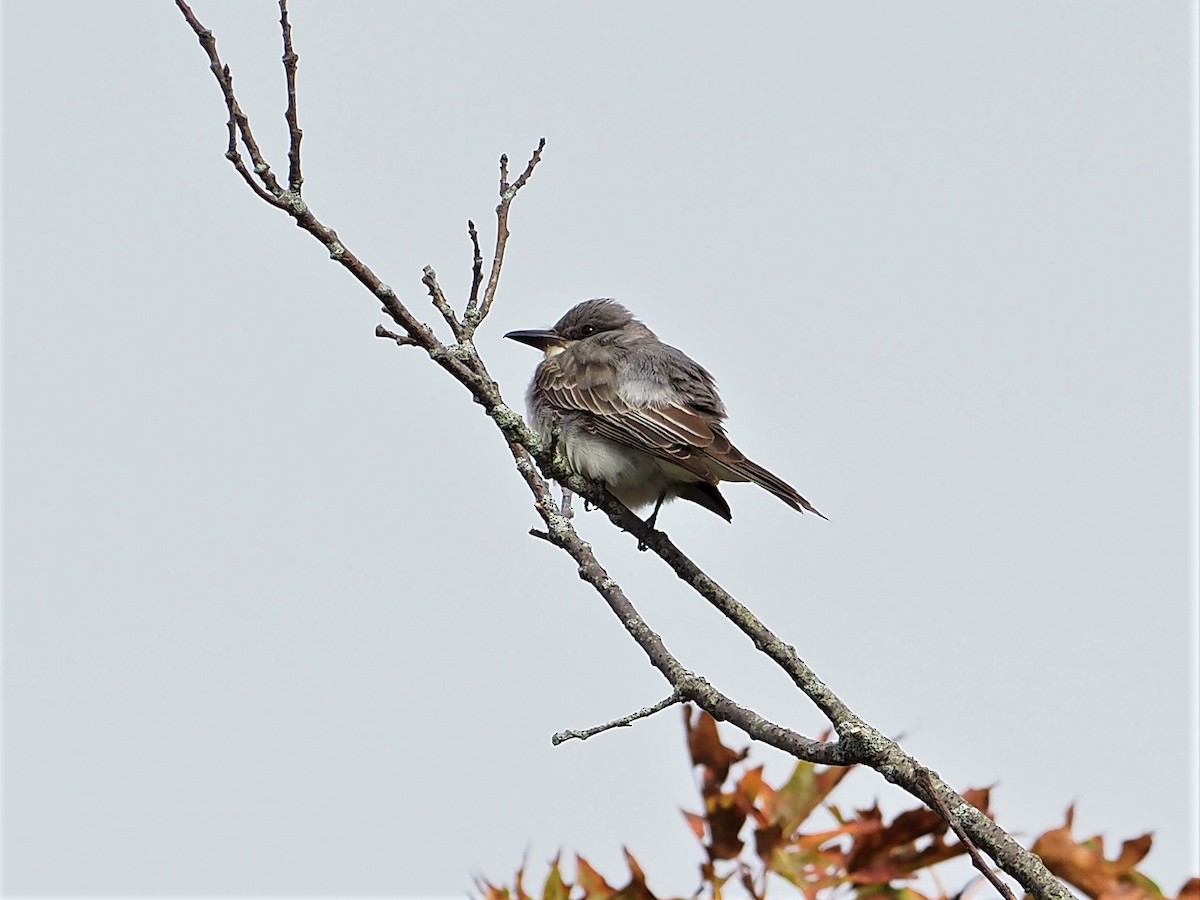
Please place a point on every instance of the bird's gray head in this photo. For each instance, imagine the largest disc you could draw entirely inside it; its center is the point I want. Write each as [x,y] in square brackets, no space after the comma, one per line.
[592,317]
[602,321]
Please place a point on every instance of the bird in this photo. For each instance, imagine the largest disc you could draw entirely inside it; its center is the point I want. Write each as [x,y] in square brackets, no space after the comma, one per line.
[636,414]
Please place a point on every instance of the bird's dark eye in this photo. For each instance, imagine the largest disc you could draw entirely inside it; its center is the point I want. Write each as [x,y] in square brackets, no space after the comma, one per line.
[587,330]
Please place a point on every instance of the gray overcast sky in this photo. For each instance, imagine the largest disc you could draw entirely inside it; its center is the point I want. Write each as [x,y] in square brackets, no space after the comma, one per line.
[272,622]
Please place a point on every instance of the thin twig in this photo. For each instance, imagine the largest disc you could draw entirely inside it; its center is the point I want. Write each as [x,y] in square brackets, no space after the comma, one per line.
[507,193]
[234,155]
[420,333]
[623,722]
[295,178]
[926,779]
[529,167]
[472,310]
[429,279]
[402,339]
[240,124]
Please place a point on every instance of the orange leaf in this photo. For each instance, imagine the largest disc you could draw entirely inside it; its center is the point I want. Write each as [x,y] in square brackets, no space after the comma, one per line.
[519,885]
[706,749]
[752,784]
[489,891]
[696,823]
[636,889]
[882,853]
[1084,864]
[593,884]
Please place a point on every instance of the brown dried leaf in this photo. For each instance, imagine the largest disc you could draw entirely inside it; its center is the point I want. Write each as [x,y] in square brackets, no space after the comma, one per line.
[489,891]
[752,783]
[881,854]
[725,820]
[1083,864]
[868,841]
[593,884]
[696,823]
[519,884]
[706,749]
[636,889]
[747,879]
[766,841]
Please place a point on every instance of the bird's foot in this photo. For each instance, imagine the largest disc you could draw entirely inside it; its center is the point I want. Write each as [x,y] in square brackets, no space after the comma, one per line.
[642,545]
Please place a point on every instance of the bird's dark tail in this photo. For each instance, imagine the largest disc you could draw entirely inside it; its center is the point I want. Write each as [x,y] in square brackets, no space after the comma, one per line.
[777,486]
[705,495]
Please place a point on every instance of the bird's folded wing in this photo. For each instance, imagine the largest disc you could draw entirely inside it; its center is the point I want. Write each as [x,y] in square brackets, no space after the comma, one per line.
[676,432]
[672,432]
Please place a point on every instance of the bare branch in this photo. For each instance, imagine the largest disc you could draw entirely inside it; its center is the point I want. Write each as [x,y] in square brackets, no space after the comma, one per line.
[857,741]
[471,313]
[926,778]
[295,178]
[783,654]
[429,279]
[418,331]
[237,117]
[529,167]
[234,155]
[507,193]
[402,339]
[623,722]
[690,686]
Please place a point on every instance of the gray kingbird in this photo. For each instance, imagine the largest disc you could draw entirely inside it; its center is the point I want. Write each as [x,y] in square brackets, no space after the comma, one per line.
[636,414]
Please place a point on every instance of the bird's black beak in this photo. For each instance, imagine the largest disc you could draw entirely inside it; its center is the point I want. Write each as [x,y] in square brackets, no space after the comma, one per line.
[542,338]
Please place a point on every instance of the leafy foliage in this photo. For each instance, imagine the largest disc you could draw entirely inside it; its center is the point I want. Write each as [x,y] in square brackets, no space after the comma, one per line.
[1084,865]
[751,831]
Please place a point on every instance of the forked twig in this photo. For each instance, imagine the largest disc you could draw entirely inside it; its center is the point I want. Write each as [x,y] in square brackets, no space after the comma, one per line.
[238,123]
[507,193]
